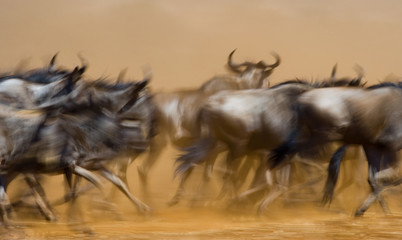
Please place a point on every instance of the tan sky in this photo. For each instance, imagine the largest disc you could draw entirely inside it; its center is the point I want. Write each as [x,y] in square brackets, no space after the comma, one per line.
[187,41]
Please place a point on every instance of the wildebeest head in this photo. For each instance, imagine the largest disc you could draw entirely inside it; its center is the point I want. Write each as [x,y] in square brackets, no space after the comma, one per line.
[48,74]
[253,75]
[118,97]
[18,91]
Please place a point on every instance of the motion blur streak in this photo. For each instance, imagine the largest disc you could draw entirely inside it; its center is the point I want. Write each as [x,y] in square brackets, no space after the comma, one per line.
[186,42]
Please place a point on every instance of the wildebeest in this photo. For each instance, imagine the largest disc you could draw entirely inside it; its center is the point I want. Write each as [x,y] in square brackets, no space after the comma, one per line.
[29,90]
[247,121]
[368,117]
[176,111]
[39,86]
[18,92]
[61,136]
[98,147]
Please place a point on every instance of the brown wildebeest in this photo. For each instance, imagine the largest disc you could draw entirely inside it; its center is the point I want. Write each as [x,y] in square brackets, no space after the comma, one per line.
[76,135]
[367,117]
[247,121]
[29,90]
[176,111]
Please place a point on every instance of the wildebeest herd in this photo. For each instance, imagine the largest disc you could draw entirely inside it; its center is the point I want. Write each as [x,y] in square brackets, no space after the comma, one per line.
[57,121]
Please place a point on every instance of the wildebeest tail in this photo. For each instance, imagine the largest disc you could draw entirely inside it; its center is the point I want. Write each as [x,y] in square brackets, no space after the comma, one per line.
[333,172]
[195,154]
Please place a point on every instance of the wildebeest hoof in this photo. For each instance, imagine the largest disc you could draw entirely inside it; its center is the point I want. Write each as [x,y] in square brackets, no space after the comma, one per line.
[51,218]
[83,230]
[11,224]
[145,209]
[359,213]
[173,202]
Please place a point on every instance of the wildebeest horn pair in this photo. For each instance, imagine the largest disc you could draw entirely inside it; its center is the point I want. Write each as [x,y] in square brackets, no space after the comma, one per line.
[261,64]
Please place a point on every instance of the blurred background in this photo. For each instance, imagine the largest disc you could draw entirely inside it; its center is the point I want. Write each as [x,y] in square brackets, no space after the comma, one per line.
[186,42]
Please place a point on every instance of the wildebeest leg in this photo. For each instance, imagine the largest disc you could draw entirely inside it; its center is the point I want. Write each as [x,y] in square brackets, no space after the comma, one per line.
[75,217]
[4,201]
[196,154]
[244,170]
[69,195]
[207,173]
[120,169]
[281,186]
[378,158]
[371,198]
[257,187]
[68,175]
[80,172]
[233,161]
[351,163]
[72,192]
[121,166]
[142,207]
[209,165]
[157,144]
[5,205]
[87,175]
[376,195]
[40,197]
[180,189]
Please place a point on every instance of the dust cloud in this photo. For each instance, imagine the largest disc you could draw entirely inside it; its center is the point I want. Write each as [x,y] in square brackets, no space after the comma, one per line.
[186,42]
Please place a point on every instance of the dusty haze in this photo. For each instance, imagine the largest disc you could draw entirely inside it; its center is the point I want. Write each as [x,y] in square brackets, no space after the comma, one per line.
[186,42]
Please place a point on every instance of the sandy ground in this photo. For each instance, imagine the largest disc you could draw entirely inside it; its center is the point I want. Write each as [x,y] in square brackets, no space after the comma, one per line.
[186,42]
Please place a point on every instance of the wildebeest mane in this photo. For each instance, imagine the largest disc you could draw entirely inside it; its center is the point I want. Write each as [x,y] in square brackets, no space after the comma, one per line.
[294,81]
[343,82]
[108,84]
[385,84]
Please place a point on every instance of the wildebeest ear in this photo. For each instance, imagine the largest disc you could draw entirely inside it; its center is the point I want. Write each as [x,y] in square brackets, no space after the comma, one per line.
[121,75]
[333,72]
[77,73]
[82,69]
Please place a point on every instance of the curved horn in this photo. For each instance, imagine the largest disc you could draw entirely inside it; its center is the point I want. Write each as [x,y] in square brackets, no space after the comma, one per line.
[333,72]
[263,65]
[83,61]
[277,60]
[52,63]
[233,66]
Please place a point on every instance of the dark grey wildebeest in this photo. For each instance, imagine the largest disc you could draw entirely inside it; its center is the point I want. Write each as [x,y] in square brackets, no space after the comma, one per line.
[34,88]
[17,93]
[60,136]
[176,111]
[367,117]
[135,116]
[29,90]
[247,121]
